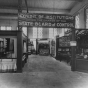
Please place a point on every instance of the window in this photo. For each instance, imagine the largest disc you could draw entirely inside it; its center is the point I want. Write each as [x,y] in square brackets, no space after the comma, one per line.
[77,22]
[8,28]
[40,32]
[51,33]
[87,18]
[34,32]
[55,31]
[24,29]
[62,32]
[37,32]
[3,28]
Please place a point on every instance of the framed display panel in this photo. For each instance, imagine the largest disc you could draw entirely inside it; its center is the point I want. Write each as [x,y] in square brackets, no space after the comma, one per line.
[63,49]
[43,47]
[82,50]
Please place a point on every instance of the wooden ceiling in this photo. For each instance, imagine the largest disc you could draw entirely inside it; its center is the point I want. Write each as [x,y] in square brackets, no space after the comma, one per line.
[10,7]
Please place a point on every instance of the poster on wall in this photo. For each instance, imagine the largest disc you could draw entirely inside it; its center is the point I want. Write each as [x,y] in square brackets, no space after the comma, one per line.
[46,20]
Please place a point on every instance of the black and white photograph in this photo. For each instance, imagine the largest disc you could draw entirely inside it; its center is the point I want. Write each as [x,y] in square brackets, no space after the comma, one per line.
[43,43]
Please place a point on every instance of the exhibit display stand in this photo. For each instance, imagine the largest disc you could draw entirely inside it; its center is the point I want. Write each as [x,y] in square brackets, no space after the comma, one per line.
[12,51]
[43,47]
[82,50]
[63,48]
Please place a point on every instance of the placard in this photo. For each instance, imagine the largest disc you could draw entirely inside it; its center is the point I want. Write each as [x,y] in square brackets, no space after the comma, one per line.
[46,20]
[73,43]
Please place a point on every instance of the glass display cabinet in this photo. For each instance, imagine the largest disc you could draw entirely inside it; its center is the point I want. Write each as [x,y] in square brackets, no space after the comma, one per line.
[82,50]
[63,49]
[8,54]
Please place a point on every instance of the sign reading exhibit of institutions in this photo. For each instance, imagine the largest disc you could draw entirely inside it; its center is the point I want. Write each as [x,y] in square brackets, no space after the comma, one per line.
[46,20]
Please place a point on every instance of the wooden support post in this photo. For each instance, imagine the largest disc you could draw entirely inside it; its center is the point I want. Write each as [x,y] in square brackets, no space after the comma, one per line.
[27,42]
[19,51]
[57,46]
[19,41]
[73,50]
[36,46]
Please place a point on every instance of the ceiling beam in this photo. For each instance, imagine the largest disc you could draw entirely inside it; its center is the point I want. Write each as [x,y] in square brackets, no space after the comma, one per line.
[13,14]
[9,11]
[48,10]
[73,0]
[9,14]
[8,7]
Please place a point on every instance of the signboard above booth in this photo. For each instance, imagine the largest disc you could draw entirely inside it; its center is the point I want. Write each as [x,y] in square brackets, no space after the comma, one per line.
[46,20]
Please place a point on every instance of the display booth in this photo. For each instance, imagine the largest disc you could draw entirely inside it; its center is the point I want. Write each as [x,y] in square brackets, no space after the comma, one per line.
[43,47]
[10,51]
[81,61]
[49,21]
[63,48]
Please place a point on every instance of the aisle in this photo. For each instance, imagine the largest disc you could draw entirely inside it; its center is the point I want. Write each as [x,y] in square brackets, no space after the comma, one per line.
[44,72]
[44,64]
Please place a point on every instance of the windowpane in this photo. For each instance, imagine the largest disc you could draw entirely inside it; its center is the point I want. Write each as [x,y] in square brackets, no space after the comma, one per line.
[40,31]
[51,34]
[87,18]
[62,32]
[24,29]
[8,28]
[34,32]
[77,21]
[3,28]
[55,31]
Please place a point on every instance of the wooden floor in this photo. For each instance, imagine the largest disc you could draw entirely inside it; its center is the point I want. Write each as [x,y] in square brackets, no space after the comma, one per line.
[44,72]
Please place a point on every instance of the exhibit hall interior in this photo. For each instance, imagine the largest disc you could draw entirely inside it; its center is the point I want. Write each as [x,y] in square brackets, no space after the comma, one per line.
[44,43]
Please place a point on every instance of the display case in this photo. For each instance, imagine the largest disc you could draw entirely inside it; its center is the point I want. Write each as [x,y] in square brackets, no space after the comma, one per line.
[8,52]
[82,50]
[11,51]
[63,49]
[43,47]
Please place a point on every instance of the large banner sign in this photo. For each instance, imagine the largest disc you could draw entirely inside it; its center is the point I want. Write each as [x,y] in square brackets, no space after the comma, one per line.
[46,20]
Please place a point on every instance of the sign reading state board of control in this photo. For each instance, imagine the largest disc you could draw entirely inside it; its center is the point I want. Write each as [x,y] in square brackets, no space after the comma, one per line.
[46,20]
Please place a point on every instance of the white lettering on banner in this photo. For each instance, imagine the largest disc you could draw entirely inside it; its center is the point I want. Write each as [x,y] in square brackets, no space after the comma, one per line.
[46,20]
[30,16]
[45,24]
[65,25]
[40,16]
[45,16]
[24,23]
